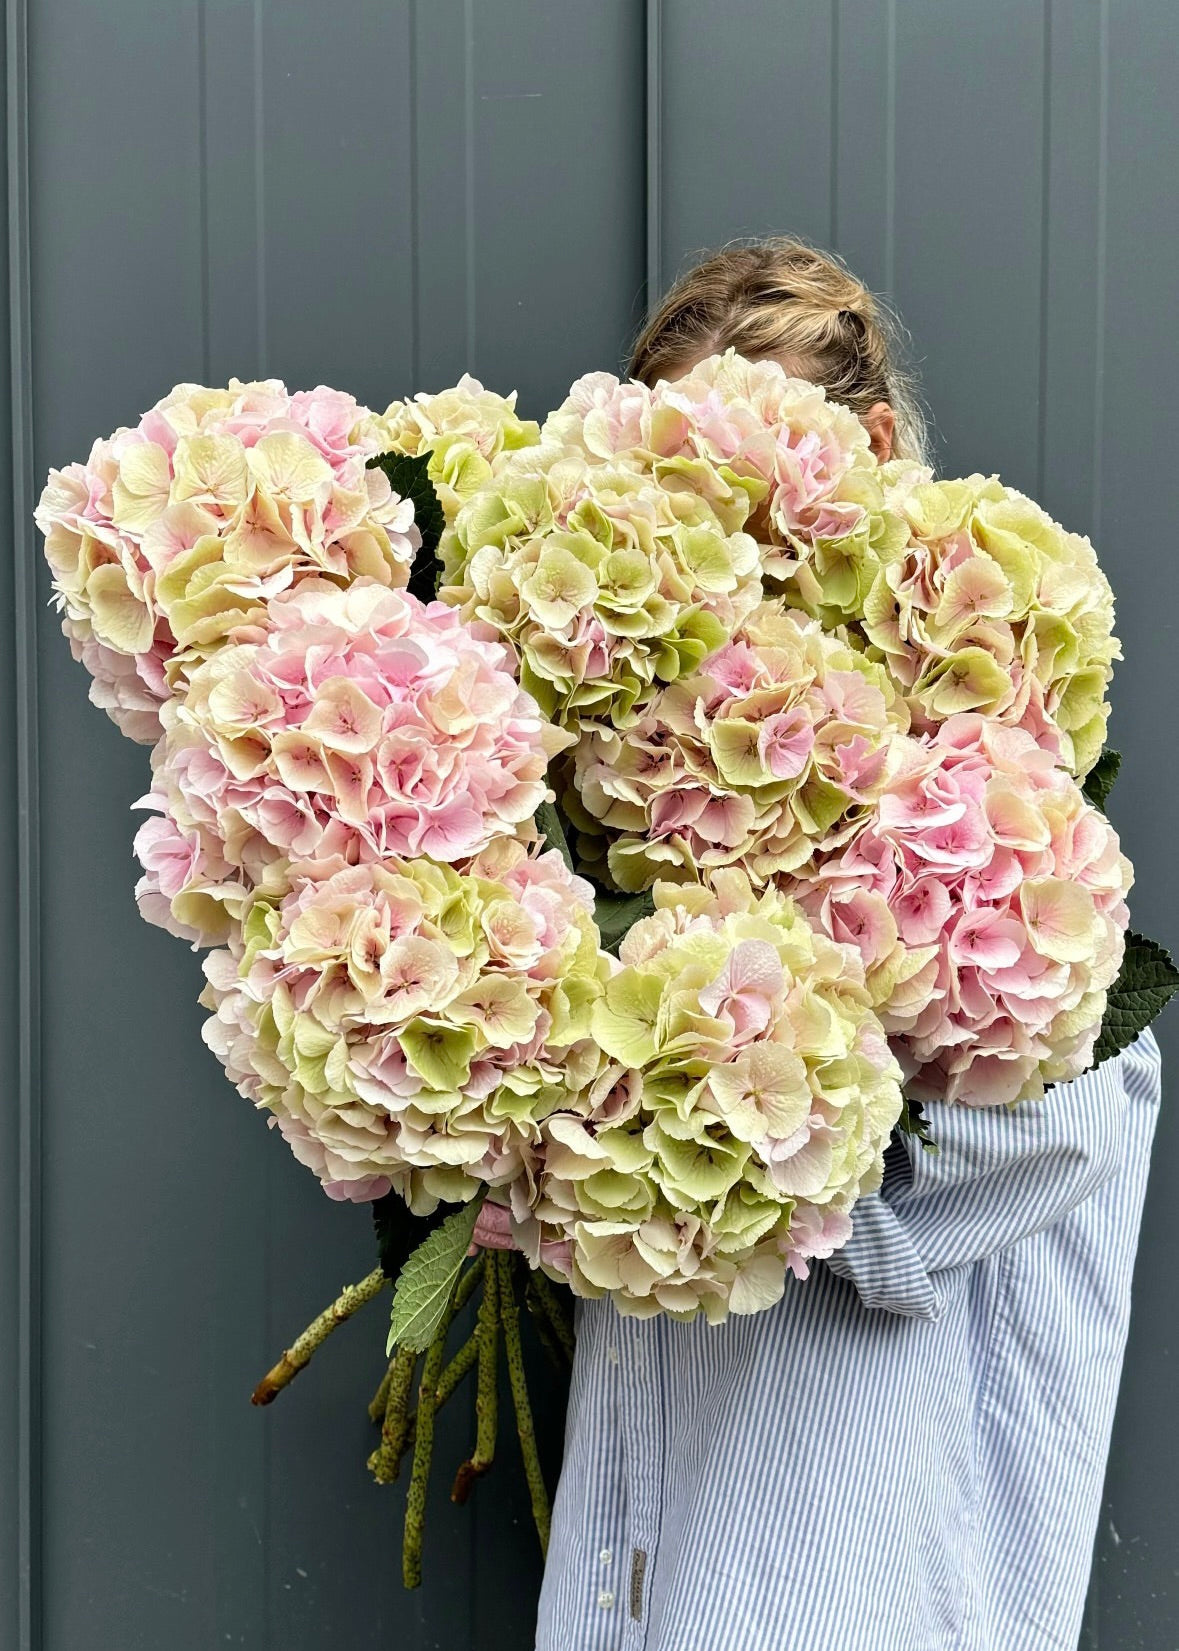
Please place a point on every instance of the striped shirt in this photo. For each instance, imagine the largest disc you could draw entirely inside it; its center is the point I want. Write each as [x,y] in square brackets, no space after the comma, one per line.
[907,1453]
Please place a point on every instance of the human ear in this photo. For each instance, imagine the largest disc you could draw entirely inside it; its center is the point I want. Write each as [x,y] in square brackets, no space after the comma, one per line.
[880,422]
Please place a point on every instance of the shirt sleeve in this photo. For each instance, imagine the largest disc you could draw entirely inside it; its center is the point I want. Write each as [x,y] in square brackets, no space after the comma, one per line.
[998,1177]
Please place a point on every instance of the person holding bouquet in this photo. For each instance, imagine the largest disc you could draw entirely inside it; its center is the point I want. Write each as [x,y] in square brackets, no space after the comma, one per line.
[907,1454]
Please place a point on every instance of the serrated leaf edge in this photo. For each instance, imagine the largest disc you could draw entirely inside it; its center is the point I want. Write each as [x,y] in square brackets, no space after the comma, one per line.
[413,1324]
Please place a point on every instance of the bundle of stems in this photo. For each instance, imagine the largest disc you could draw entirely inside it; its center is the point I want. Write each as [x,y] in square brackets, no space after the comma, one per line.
[432,1378]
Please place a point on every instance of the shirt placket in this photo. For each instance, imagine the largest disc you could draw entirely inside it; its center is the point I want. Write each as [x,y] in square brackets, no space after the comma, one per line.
[642,1426]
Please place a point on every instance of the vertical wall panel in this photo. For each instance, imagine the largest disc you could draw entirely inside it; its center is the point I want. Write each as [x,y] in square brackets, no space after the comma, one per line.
[747,131]
[863,115]
[10,1008]
[129,1152]
[334,193]
[556,196]
[20,1177]
[966,229]
[1137,497]
[1072,258]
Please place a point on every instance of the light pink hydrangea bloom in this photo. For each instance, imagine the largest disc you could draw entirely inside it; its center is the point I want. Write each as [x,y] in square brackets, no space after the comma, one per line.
[171,538]
[987,899]
[365,724]
[409,1025]
[991,606]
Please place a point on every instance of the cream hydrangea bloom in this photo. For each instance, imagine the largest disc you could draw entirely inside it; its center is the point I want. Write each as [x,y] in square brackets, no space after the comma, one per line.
[408,1024]
[465,430]
[746,1108]
[772,751]
[991,606]
[606,583]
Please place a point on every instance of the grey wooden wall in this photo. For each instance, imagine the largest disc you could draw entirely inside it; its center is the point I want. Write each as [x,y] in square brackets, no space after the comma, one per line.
[380,195]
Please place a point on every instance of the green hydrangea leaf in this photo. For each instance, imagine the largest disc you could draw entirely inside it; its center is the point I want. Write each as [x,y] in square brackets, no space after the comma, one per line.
[427,1280]
[913,1122]
[409,478]
[1100,779]
[1146,983]
[548,823]
[615,914]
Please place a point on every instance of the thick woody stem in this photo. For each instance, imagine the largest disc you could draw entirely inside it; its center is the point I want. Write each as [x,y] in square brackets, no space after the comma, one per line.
[486,1396]
[385,1462]
[346,1303]
[510,1319]
[423,1451]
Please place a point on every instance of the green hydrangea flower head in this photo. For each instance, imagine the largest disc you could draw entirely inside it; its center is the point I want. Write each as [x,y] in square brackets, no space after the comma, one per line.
[606,583]
[749,1097]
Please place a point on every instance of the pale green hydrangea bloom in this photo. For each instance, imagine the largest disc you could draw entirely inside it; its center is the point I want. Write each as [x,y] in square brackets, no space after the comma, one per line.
[409,1025]
[465,429]
[606,583]
[990,606]
[749,1099]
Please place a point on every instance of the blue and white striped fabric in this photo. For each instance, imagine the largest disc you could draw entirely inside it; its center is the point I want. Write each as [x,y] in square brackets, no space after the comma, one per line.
[907,1453]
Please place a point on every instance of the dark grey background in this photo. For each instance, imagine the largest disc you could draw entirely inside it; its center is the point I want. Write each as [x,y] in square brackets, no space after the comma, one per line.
[379,195]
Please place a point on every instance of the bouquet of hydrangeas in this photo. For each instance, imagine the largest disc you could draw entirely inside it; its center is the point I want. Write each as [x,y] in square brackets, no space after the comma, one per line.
[607,831]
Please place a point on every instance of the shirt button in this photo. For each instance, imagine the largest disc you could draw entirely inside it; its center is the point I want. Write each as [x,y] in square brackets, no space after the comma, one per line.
[612,1354]
[605,1599]
[605,1557]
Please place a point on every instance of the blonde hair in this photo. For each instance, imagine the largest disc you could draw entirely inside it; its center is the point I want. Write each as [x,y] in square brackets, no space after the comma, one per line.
[781,297]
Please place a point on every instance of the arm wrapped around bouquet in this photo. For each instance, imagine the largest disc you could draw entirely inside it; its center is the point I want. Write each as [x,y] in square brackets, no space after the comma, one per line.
[628,822]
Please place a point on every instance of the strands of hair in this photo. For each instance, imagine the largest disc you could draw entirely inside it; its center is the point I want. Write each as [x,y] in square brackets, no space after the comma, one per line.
[802,306]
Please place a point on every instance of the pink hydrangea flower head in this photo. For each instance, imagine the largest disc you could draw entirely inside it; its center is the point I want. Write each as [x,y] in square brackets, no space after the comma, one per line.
[986,898]
[747,1098]
[606,581]
[990,606]
[363,725]
[745,434]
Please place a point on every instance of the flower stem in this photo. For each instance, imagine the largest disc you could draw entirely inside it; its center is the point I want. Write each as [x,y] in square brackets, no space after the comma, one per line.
[510,1319]
[486,1396]
[385,1462]
[376,1405]
[346,1303]
[543,1327]
[423,1451]
[401,1431]
[463,1361]
[546,1293]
